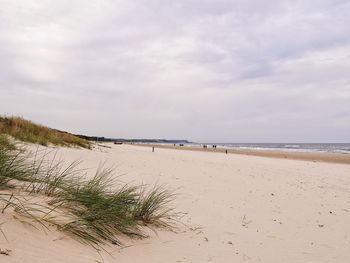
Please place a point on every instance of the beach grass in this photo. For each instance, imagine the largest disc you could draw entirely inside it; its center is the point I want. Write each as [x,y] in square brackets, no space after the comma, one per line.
[27,131]
[6,142]
[153,206]
[94,211]
[12,164]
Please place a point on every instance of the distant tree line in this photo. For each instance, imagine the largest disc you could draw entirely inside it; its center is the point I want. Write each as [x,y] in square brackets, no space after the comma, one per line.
[104,139]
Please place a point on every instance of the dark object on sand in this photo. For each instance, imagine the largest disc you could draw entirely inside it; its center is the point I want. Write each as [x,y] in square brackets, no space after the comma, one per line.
[5,252]
[181,144]
[118,143]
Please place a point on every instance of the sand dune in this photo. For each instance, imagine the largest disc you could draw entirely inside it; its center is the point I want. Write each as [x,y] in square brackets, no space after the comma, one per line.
[236,208]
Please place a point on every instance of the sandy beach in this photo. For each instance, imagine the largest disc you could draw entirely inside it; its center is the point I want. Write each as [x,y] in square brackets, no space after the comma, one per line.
[235,208]
[175,131]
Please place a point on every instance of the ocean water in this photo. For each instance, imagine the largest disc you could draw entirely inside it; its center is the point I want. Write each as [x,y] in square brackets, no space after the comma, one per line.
[296,147]
[343,148]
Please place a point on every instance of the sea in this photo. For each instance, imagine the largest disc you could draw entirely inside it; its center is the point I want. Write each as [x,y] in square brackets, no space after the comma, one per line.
[343,148]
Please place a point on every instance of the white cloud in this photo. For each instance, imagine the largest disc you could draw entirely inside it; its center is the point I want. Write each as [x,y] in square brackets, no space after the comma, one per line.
[202,70]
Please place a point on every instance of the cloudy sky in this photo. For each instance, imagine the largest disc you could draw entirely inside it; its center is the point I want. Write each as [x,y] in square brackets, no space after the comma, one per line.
[203,70]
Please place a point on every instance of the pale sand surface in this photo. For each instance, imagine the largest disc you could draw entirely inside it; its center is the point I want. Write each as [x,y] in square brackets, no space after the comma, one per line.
[238,208]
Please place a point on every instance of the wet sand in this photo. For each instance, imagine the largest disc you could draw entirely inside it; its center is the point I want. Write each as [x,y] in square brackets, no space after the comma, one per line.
[306,156]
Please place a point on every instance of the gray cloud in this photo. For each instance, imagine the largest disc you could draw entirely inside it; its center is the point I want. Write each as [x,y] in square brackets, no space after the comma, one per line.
[202,70]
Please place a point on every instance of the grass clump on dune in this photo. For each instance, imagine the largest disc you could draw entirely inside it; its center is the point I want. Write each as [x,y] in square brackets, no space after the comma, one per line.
[103,211]
[152,206]
[95,211]
[28,131]
[12,164]
[6,143]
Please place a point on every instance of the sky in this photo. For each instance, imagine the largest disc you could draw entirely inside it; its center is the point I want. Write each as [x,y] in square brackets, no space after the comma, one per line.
[202,70]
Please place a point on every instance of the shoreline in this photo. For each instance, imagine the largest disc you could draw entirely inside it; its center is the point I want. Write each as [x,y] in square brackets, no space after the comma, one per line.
[302,156]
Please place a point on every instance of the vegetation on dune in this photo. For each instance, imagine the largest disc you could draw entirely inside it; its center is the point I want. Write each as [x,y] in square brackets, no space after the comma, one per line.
[95,211]
[152,206]
[28,131]
[12,165]
[5,142]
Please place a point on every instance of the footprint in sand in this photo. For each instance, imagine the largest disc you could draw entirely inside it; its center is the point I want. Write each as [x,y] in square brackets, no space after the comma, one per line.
[5,251]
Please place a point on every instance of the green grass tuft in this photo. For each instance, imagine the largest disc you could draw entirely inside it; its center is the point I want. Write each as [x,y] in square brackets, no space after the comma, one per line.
[6,143]
[12,166]
[153,207]
[94,211]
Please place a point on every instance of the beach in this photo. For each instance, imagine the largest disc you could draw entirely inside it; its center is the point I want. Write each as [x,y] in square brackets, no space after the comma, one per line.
[243,207]
[275,153]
